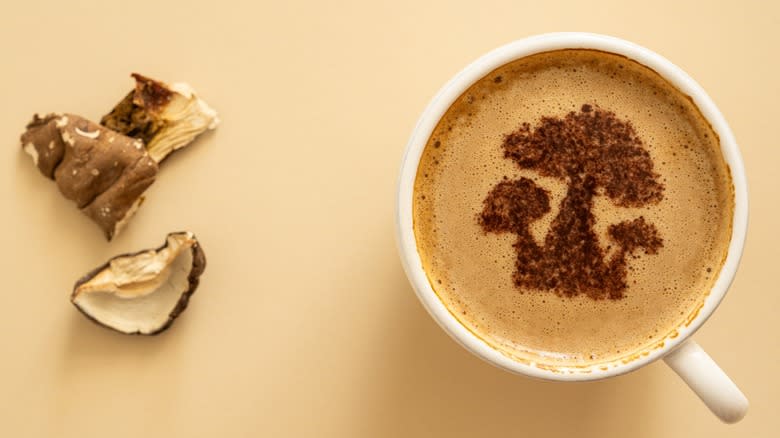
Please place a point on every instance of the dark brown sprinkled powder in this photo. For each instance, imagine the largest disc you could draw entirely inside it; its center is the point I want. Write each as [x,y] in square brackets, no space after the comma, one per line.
[589,150]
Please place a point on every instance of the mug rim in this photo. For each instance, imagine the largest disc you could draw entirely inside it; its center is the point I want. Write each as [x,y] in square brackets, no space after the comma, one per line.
[478,69]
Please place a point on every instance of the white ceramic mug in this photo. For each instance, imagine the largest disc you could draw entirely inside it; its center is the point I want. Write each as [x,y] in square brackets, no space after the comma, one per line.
[680,352]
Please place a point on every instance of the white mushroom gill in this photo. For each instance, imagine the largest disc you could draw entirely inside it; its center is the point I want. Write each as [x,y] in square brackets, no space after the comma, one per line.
[137,293]
[186,116]
[120,224]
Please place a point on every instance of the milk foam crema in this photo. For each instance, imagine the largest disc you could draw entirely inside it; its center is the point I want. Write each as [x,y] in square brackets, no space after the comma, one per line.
[474,272]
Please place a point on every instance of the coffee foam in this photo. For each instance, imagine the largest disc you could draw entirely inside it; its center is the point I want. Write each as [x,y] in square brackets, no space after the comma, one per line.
[471,271]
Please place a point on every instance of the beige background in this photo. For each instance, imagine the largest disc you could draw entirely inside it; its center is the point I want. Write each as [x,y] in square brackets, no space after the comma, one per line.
[304,324]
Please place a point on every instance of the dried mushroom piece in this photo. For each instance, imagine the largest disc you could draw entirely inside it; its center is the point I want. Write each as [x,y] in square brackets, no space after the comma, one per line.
[43,142]
[166,117]
[104,172]
[143,293]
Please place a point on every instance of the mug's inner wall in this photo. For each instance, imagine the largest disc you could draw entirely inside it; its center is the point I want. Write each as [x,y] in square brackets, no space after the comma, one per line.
[473,271]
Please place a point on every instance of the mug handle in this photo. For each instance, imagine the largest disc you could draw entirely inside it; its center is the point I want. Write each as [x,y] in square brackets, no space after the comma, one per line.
[708,381]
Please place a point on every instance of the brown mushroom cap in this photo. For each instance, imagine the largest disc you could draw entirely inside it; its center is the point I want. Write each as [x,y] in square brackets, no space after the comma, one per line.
[144,292]
[42,141]
[101,170]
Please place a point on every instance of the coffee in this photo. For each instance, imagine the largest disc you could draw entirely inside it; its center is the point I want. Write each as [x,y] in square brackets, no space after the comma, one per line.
[572,208]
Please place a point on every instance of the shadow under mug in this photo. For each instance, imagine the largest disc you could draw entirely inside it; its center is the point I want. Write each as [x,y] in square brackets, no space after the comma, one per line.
[681,353]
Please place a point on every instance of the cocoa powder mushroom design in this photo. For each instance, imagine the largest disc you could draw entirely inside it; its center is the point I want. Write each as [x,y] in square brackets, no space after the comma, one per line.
[595,153]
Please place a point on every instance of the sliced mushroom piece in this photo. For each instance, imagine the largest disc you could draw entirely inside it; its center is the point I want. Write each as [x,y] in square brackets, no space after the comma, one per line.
[166,117]
[104,172]
[144,292]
